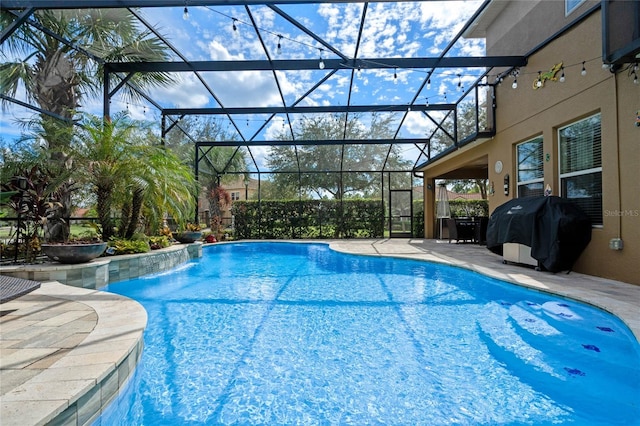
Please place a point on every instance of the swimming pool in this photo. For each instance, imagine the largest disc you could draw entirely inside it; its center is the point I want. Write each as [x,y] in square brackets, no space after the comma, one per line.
[283,333]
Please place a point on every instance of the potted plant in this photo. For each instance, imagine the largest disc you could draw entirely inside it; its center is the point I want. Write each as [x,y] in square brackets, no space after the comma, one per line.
[191,234]
[75,251]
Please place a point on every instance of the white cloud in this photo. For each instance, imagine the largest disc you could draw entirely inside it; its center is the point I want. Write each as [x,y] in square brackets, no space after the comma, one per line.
[188,92]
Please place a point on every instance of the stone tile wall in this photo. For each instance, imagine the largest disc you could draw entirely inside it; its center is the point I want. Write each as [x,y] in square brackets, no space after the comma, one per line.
[105,270]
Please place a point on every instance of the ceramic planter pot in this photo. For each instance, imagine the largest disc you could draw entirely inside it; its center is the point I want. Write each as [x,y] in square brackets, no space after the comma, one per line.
[73,253]
[187,237]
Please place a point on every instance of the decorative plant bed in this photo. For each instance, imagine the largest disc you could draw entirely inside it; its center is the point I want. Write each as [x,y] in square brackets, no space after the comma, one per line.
[74,253]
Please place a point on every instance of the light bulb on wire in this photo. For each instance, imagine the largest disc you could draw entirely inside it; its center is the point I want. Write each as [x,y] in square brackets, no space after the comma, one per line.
[514,85]
[279,47]
[395,76]
[321,63]
[584,70]
[234,26]
[562,75]
[185,14]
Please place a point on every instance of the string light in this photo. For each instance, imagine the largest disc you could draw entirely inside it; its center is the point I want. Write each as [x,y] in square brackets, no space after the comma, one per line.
[584,70]
[427,103]
[635,77]
[395,76]
[515,73]
[539,80]
[562,75]
[321,63]
[185,13]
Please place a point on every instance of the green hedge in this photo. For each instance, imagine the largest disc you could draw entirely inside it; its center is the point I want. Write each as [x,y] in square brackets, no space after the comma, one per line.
[289,219]
[469,208]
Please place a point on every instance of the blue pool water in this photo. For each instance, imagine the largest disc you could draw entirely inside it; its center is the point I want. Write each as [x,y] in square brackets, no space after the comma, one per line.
[280,333]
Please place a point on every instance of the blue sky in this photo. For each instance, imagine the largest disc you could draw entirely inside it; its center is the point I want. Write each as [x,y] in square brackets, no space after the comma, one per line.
[392,29]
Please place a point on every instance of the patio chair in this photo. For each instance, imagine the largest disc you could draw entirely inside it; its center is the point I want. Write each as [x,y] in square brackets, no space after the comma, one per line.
[460,231]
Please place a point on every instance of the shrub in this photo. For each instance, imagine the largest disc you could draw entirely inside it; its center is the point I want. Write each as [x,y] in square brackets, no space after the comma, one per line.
[159,242]
[469,208]
[128,246]
[353,218]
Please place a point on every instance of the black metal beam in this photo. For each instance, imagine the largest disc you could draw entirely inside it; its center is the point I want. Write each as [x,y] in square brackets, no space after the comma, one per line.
[313,142]
[35,108]
[312,64]
[20,19]
[84,4]
[306,109]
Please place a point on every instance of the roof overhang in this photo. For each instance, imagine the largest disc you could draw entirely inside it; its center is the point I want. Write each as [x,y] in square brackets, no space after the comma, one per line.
[478,28]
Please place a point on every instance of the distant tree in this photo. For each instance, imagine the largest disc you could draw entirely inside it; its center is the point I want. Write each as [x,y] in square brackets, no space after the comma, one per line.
[318,164]
[470,186]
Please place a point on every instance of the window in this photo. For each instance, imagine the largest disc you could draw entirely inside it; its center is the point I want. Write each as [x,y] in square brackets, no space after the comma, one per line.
[235,196]
[581,166]
[571,5]
[530,168]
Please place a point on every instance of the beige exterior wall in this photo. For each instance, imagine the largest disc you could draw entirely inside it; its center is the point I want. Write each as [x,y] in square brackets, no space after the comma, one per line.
[237,190]
[525,113]
[523,25]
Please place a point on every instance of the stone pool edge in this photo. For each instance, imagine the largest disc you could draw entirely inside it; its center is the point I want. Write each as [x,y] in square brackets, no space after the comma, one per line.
[74,389]
[95,370]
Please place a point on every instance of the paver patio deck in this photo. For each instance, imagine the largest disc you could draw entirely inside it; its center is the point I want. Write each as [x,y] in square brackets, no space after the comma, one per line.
[63,347]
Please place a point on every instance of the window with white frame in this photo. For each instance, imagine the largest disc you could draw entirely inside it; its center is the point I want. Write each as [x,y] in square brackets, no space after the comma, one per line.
[530,168]
[235,196]
[571,5]
[581,165]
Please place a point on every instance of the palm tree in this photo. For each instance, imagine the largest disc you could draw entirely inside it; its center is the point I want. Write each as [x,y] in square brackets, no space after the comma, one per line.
[124,171]
[57,76]
[163,185]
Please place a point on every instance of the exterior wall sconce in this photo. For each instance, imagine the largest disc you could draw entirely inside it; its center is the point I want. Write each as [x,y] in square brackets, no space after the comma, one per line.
[506,184]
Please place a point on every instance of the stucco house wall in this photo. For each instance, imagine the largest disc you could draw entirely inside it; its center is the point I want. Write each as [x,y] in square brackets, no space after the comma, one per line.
[524,113]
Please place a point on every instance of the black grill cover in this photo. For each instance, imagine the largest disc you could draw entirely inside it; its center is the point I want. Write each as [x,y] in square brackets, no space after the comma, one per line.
[556,230]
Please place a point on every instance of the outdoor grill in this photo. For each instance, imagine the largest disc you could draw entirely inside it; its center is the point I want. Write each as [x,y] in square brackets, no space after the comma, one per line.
[547,232]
